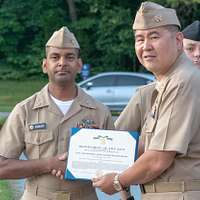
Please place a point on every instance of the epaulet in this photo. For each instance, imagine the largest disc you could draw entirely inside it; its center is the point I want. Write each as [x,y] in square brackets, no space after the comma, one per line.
[148,86]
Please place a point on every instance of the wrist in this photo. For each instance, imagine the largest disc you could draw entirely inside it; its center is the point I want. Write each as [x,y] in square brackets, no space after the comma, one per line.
[122,182]
[48,165]
[117,183]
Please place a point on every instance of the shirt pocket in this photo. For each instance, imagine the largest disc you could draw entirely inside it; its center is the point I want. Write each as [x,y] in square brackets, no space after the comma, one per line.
[39,144]
[148,130]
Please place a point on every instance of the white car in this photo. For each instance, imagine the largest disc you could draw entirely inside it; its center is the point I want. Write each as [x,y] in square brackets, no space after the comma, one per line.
[114,89]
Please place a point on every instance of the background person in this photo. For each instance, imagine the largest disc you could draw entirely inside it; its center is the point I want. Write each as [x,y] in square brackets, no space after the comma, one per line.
[40,126]
[170,129]
[191,42]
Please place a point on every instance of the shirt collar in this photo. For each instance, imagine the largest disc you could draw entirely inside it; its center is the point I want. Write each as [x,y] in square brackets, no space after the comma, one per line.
[160,85]
[43,98]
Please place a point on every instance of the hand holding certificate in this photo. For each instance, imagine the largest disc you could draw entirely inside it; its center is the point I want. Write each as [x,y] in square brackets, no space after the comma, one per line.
[94,152]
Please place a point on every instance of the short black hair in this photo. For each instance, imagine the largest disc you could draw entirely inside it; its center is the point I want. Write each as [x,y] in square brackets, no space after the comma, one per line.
[172,28]
[77,51]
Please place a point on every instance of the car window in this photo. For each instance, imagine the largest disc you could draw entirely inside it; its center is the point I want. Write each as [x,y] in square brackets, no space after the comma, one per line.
[104,81]
[123,80]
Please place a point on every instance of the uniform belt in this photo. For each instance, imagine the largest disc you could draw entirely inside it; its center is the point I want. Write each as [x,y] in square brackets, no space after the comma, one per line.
[59,195]
[161,187]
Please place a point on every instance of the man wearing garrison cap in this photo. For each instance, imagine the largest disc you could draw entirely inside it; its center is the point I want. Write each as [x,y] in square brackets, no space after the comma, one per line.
[169,147]
[40,127]
[191,42]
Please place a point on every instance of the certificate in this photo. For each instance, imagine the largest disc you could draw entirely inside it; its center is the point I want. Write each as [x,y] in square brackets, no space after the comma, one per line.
[94,152]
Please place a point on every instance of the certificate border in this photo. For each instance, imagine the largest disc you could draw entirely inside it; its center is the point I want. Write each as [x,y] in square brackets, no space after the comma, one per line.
[69,175]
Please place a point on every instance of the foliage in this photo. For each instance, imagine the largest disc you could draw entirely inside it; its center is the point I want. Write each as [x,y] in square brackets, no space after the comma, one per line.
[5,191]
[105,33]
[24,30]
[187,11]
[2,120]
[103,28]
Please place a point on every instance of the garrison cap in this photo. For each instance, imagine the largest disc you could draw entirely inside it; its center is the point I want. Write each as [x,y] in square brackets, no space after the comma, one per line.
[152,15]
[63,38]
[192,31]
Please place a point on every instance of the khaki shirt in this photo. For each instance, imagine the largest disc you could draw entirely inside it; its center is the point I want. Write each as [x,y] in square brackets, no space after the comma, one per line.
[134,114]
[171,119]
[38,128]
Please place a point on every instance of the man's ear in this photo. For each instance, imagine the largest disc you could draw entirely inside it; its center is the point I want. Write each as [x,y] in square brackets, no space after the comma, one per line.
[80,65]
[44,66]
[179,39]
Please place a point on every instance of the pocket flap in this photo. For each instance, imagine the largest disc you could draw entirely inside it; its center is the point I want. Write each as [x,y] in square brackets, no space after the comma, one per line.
[38,137]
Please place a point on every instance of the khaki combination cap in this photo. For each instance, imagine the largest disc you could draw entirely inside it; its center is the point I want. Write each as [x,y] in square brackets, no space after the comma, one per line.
[152,15]
[63,38]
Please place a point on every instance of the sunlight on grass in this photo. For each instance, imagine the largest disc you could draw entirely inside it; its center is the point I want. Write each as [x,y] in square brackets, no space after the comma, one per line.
[12,92]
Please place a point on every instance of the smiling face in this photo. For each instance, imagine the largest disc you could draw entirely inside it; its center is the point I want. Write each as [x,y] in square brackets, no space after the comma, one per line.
[62,65]
[192,50]
[157,49]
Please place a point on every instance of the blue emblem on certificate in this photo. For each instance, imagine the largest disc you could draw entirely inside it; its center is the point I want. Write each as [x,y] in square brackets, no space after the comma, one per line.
[95,152]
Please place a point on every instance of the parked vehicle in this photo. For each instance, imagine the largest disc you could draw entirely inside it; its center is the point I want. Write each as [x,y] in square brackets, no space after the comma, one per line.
[115,89]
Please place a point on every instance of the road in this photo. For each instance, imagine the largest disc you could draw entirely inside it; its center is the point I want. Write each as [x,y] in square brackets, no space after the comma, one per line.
[4,114]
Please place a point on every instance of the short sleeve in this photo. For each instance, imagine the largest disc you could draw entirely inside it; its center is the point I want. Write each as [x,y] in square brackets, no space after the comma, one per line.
[12,134]
[130,118]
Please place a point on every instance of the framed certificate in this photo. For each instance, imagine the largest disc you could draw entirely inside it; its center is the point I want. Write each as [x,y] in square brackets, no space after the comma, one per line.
[95,152]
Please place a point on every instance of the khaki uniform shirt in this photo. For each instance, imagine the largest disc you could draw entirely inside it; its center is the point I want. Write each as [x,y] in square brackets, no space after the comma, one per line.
[134,114]
[38,128]
[172,124]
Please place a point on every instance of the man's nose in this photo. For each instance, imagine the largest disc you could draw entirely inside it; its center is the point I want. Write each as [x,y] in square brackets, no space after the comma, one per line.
[62,61]
[197,52]
[147,45]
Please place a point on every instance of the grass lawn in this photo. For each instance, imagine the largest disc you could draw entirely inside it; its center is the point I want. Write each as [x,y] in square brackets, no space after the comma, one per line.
[5,191]
[12,92]
[2,120]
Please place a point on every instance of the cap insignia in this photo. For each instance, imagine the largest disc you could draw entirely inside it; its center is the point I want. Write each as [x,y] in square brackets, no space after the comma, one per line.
[157,19]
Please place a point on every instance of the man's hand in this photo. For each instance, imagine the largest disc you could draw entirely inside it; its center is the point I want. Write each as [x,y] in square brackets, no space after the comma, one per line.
[105,183]
[58,164]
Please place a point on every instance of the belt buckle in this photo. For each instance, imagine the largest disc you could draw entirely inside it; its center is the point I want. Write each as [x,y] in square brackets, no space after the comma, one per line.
[63,195]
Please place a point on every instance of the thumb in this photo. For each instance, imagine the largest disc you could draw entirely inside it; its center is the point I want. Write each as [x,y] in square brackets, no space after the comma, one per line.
[63,156]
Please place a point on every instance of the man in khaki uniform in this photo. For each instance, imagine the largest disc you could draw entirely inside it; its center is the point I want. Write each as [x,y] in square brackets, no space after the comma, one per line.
[168,168]
[191,42]
[40,126]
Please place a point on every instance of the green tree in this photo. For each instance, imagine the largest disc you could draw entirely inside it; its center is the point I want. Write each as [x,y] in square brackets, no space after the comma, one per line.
[72,10]
[103,29]
[187,11]
[105,33]
[25,27]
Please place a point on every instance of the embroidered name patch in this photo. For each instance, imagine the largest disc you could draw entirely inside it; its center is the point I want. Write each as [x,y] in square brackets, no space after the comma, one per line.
[37,126]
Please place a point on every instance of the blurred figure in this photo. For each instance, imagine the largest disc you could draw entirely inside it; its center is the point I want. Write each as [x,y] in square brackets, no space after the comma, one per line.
[191,42]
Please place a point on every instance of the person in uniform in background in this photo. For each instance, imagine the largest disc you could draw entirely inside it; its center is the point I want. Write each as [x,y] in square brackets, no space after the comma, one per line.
[168,166]
[40,126]
[191,42]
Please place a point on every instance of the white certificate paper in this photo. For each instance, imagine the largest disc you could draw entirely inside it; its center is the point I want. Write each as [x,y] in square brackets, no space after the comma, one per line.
[95,152]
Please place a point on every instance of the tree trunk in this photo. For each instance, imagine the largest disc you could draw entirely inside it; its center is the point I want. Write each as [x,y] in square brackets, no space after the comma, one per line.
[72,10]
